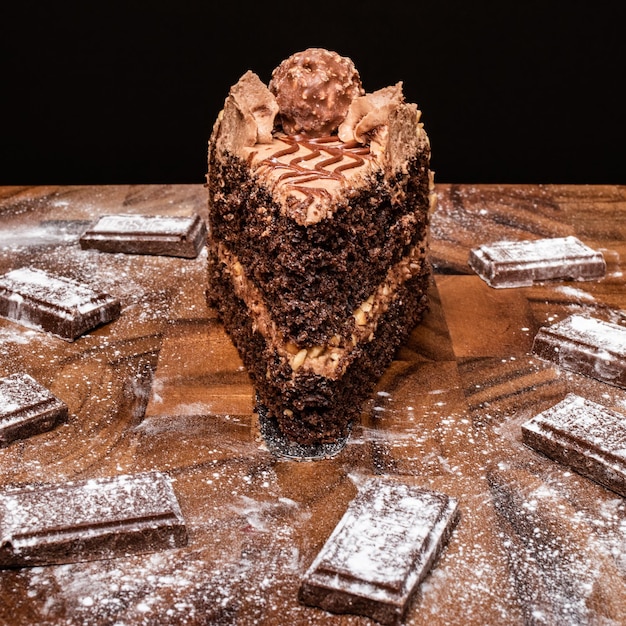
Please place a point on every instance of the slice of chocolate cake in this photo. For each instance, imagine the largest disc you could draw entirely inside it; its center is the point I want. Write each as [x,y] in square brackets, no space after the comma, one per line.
[319,199]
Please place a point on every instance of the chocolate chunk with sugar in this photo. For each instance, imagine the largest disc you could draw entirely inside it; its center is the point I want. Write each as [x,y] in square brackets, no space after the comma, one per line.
[522,263]
[587,346]
[89,520]
[27,408]
[59,305]
[585,436]
[182,236]
[382,548]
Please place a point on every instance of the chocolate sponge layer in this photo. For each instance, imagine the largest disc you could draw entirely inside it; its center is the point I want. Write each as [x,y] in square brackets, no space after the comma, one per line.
[313,277]
[320,409]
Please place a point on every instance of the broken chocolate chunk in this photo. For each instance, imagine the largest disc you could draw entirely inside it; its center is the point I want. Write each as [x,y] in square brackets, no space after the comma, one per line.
[382,548]
[585,436]
[86,520]
[522,263]
[181,236]
[27,408]
[587,346]
[59,305]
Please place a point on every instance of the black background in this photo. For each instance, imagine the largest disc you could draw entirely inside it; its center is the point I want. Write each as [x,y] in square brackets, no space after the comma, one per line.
[519,92]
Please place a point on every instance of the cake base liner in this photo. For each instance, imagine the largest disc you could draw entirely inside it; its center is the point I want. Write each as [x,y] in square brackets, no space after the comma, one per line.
[280,445]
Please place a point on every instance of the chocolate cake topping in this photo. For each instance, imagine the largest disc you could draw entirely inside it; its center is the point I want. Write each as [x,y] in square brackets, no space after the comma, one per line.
[336,157]
[382,122]
[247,117]
[314,89]
[369,112]
[329,144]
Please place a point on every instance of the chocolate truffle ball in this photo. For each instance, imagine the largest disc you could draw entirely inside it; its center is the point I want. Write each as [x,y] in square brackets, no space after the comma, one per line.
[314,89]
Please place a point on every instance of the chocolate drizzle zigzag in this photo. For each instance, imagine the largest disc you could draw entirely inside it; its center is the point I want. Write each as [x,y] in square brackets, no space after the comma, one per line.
[346,155]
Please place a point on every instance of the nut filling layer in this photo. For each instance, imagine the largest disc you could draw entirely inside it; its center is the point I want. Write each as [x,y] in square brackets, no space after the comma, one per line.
[327,360]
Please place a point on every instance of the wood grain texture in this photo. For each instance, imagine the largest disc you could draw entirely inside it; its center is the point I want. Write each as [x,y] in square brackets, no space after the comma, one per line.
[163,388]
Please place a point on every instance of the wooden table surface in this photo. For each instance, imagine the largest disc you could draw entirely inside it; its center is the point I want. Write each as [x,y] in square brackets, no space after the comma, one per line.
[163,388]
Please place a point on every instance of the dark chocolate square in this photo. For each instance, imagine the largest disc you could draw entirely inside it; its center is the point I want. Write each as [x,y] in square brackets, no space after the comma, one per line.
[27,408]
[85,520]
[56,304]
[382,548]
[163,235]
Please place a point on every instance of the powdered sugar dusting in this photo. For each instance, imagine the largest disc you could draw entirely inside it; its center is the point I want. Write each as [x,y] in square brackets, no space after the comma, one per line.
[58,291]
[602,334]
[586,345]
[579,295]
[256,523]
[380,538]
[560,570]
[51,523]
[167,588]
[18,391]
[538,250]
[521,263]
[383,546]
[584,421]
[130,224]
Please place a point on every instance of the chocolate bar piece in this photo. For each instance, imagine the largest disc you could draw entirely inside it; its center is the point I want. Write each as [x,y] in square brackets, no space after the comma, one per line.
[88,520]
[147,234]
[587,346]
[522,263]
[382,548]
[27,408]
[585,436]
[59,305]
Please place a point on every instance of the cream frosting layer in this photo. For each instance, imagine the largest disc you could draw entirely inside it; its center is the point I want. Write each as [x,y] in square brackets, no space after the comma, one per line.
[332,359]
[304,174]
